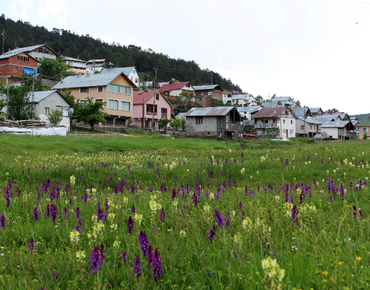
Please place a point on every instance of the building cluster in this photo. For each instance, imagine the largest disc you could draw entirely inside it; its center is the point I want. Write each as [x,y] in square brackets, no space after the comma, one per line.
[125,105]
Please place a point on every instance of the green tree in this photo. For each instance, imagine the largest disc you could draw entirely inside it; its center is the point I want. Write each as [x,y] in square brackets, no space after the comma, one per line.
[259,100]
[216,103]
[19,105]
[53,69]
[55,116]
[176,123]
[90,112]
[2,114]
[67,95]
[163,123]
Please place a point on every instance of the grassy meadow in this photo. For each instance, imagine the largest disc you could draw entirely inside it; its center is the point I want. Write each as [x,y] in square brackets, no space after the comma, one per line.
[151,212]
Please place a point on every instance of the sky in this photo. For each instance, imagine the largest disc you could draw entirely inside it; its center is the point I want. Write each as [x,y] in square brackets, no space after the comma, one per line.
[316,51]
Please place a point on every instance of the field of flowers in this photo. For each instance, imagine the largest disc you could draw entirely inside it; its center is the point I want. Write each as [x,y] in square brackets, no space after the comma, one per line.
[292,218]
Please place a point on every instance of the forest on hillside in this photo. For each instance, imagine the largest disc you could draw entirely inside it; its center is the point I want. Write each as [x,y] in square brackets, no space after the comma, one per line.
[67,43]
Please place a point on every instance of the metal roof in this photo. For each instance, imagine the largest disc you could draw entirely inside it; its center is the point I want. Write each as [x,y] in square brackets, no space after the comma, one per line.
[23,50]
[365,122]
[206,87]
[301,111]
[67,58]
[208,111]
[270,112]
[248,109]
[272,104]
[39,96]
[125,70]
[335,124]
[87,80]
[326,118]
[315,110]
[310,121]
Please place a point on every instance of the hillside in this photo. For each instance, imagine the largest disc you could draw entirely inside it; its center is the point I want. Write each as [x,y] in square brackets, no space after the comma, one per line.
[63,42]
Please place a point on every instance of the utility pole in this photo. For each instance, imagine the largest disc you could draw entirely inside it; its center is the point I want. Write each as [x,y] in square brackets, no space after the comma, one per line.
[7,98]
[33,94]
[3,40]
[154,96]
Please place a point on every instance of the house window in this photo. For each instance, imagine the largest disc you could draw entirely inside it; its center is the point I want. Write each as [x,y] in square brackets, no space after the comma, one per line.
[310,126]
[198,120]
[113,104]
[364,130]
[149,109]
[15,69]
[291,132]
[266,121]
[209,93]
[100,89]
[164,113]
[157,97]
[47,111]
[188,85]
[117,89]
[146,124]
[291,121]
[23,58]
[122,90]
[125,106]
[84,90]
[283,121]
[302,127]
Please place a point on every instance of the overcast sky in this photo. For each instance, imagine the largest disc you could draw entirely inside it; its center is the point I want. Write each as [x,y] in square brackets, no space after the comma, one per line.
[316,51]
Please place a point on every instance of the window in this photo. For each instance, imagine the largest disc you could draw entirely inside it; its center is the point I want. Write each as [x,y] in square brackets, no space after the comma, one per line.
[100,89]
[157,97]
[310,126]
[47,111]
[302,127]
[198,120]
[117,89]
[291,121]
[291,132]
[364,130]
[99,100]
[23,58]
[15,69]
[125,106]
[266,121]
[149,109]
[209,93]
[122,90]
[113,104]
[283,121]
[85,90]
[146,124]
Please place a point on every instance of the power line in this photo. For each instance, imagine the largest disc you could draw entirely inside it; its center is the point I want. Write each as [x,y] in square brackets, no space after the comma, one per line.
[339,4]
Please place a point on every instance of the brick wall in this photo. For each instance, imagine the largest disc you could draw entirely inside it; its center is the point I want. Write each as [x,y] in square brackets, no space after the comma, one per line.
[13,67]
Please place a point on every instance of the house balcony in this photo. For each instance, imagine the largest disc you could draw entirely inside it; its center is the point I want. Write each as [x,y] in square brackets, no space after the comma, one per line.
[265,125]
[233,127]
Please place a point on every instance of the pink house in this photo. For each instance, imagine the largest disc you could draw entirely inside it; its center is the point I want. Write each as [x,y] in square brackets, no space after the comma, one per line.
[149,104]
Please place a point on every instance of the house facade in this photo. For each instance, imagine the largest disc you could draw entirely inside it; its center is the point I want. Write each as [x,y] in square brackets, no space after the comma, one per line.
[307,127]
[213,121]
[149,108]
[204,94]
[175,89]
[45,101]
[14,65]
[95,65]
[247,113]
[38,52]
[243,100]
[338,130]
[279,118]
[114,89]
[76,65]
[364,127]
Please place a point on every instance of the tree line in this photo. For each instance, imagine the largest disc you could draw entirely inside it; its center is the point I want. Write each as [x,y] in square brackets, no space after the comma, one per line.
[67,43]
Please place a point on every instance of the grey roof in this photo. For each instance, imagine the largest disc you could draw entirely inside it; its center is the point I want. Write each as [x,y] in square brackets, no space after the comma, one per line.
[87,80]
[96,60]
[181,116]
[204,88]
[311,121]
[240,97]
[208,111]
[325,118]
[335,124]
[314,110]
[248,109]
[23,50]
[125,70]
[283,99]
[39,96]
[72,59]
[271,104]
[301,111]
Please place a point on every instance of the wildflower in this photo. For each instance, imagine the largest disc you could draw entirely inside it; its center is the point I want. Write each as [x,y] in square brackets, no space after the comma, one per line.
[163,215]
[80,256]
[144,242]
[219,218]
[2,221]
[54,273]
[240,206]
[157,265]
[36,213]
[124,257]
[195,199]
[53,212]
[325,273]
[130,225]
[133,209]
[74,237]
[96,258]
[358,258]
[31,246]
[212,233]
[78,212]
[137,264]
[183,233]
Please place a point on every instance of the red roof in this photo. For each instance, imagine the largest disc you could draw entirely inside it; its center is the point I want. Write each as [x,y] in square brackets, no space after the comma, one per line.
[269,112]
[146,95]
[173,86]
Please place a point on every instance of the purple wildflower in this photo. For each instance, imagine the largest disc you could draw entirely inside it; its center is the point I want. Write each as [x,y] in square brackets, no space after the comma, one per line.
[330,199]
[195,199]
[219,218]
[137,266]
[130,225]
[31,246]
[163,215]
[342,191]
[47,210]
[295,214]
[240,206]
[54,273]
[53,212]
[36,213]
[157,265]
[106,205]
[124,257]
[96,258]
[133,209]
[78,212]
[212,233]
[287,161]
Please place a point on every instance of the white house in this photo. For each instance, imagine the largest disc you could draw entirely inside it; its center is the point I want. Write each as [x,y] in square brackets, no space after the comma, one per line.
[243,100]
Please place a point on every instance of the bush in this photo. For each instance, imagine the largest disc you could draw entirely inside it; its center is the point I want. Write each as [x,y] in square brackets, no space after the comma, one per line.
[55,116]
